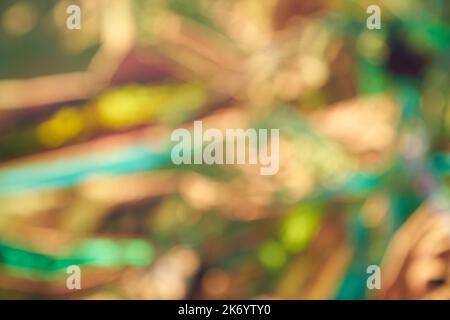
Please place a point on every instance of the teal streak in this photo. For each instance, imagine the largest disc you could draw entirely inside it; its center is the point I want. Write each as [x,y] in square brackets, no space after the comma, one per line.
[67,172]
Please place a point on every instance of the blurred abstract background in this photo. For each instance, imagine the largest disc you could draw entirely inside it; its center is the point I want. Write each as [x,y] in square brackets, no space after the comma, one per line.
[86,177]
